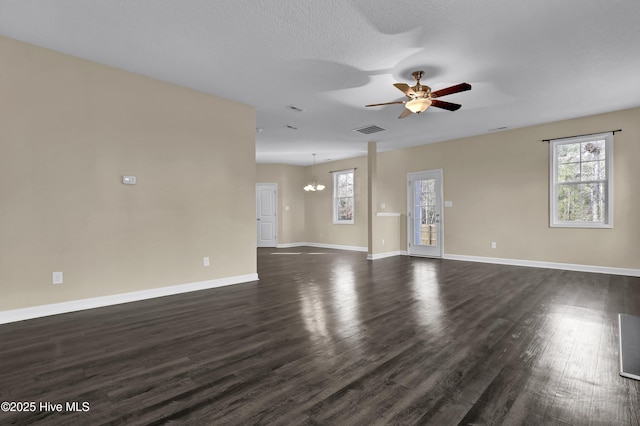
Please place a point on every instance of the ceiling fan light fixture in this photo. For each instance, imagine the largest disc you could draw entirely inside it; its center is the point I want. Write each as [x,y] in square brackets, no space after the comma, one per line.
[418,105]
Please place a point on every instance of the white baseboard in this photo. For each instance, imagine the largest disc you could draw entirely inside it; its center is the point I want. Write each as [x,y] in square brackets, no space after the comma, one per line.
[322,245]
[387,254]
[290,245]
[115,299]
[338,247]
[550,265]
[497,260]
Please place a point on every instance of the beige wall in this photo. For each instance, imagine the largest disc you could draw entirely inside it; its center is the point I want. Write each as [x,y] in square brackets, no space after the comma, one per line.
[309,219]
[499,186]
[69,129]
[290,180]
[318,206]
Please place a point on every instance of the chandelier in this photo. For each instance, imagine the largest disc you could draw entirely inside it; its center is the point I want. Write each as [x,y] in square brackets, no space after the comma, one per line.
[314,185]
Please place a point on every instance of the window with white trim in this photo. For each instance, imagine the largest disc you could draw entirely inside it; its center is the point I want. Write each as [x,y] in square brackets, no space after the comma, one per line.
[344,200]
[582,181]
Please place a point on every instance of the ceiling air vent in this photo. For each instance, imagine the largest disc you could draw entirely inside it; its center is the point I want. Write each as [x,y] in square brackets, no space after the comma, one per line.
[367,130]
[295,108]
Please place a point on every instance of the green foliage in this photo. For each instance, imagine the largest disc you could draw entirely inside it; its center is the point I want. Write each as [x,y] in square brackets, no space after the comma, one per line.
[581,174]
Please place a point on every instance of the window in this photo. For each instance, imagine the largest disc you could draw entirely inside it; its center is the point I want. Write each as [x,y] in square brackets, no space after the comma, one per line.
[343,197]
[582,181]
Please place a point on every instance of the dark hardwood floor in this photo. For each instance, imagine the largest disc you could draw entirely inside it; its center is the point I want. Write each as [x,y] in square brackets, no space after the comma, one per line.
[327,337]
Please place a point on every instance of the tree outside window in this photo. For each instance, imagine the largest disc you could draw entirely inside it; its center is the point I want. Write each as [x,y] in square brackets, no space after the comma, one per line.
[581,182]
[343,197]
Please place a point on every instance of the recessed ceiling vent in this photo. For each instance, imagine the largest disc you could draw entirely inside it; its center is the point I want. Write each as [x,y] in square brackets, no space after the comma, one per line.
[295,108]
[367,130]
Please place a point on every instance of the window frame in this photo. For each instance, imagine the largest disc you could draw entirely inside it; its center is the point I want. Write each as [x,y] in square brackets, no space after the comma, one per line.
[607,222]
[336,175]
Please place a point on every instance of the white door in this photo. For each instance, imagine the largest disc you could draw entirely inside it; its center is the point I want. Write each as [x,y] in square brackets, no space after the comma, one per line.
[266,221]
[425,213]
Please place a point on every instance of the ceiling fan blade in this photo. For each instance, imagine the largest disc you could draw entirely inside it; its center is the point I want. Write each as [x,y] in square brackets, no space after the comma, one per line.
[386,103]
[405,113]
[462,87]
[405,88]
[445,105]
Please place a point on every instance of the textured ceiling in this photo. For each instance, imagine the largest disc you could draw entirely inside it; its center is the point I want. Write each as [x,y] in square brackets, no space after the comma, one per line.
[529,62]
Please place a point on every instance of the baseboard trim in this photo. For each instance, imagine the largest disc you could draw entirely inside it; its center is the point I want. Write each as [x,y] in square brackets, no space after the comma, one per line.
[550,265]
[22,314]
[290,245]
[322,245]
[387,254]
[338,247]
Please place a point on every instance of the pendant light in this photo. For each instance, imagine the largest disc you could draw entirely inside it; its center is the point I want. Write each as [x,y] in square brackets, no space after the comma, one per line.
[314,186]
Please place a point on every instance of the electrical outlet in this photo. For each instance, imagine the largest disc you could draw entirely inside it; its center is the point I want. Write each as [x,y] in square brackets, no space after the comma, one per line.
[383,241]
[57,278]
[493,244]
[205,261]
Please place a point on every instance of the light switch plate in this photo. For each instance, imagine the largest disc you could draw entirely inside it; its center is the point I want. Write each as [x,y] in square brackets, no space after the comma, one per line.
[129,180]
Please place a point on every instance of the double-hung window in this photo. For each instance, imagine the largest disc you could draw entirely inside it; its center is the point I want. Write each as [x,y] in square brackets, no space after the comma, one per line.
[582,181]
[343,197]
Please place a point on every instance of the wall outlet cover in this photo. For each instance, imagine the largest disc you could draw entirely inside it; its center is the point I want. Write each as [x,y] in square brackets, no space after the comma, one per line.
[129,180]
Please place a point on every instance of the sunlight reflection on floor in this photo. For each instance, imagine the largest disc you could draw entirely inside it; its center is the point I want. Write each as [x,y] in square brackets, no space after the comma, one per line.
[426,291]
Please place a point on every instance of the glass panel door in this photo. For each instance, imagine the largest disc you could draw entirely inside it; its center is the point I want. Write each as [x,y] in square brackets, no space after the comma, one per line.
[425,189]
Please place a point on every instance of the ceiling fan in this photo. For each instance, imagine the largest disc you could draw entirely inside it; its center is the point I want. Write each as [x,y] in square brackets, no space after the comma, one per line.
[421,97]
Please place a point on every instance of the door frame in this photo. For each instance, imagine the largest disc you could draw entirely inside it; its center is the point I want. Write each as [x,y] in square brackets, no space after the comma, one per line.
[274,186]
[427,174]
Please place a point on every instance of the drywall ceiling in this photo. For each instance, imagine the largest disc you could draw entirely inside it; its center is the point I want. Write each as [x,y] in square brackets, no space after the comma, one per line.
[529,62]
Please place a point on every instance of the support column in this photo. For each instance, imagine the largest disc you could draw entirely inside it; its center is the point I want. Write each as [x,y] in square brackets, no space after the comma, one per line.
[372,175]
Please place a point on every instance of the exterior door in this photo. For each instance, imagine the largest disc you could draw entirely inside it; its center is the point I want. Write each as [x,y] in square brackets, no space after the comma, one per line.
[266,220]
[425,213]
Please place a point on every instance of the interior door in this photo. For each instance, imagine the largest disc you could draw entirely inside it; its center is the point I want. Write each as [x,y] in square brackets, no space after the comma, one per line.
[266,214]
[425,227]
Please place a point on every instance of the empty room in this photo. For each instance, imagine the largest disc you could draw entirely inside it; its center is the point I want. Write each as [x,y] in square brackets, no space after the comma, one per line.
[355,212]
